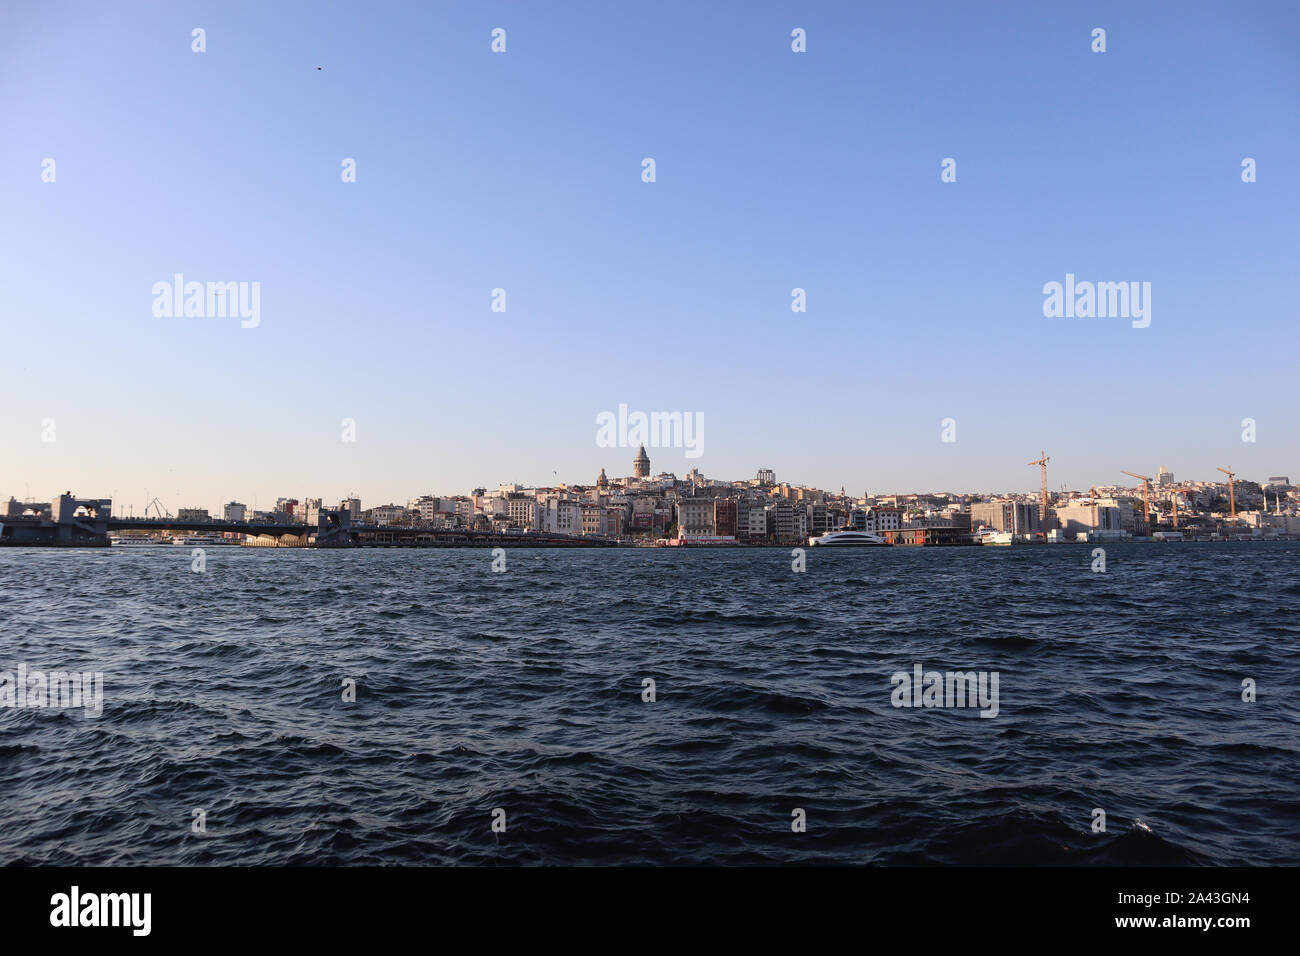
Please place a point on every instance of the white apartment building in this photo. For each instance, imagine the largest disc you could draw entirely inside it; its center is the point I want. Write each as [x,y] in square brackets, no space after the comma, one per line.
[557,515]
[388,514]
[884,519]
[522,513]
[424,507]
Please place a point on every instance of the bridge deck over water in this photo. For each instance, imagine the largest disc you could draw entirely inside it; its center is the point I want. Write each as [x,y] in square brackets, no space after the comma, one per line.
[75,522]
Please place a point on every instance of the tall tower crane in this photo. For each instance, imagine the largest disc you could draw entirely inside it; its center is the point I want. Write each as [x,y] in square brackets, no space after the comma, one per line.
[1146,497]
[1041,462]
[1232,498]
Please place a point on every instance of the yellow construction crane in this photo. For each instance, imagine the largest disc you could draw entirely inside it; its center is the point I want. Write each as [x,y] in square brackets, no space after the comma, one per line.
[1042,463]
[1146,497]
[1232,497]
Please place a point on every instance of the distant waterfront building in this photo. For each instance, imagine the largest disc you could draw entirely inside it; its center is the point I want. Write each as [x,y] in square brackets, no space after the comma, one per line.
[754,527]
[1279,481]
[494,508]
[562,516]
[234,511]
[352,506]
[1130,513]
[643,513]
[884,518]
[1164,477]
[641,464]
[766,476]
[464,510]
[695,517]
[780,520]
[724,517]
[956,521]
[430,509]
[192,514]
[743,507]
[818,516]
[1088,516]
[593,519]
[1018,517]
[523,513]
[388,514]
[616,518]
[663,516]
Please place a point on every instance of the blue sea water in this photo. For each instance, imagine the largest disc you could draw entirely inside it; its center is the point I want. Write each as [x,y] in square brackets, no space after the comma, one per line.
[523,691]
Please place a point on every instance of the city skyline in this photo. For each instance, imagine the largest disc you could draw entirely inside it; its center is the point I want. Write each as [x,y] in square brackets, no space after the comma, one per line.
[764,478]
[924,298]
[267,489]
[696,510]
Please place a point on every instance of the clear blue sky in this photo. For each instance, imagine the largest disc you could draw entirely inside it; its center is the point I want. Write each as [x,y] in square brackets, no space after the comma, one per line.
[523,171]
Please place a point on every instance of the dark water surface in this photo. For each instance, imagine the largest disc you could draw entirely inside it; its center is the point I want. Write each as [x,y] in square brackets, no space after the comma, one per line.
[522,690]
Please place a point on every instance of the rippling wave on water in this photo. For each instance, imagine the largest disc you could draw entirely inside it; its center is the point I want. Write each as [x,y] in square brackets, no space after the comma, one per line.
[523,690]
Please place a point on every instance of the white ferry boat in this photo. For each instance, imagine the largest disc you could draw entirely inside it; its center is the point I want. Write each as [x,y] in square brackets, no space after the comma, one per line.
[132,539]
[999,538]
[204,540]
[848,539]
[697,541]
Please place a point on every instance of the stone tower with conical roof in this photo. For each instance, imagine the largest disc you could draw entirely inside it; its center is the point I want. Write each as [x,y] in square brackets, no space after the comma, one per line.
[641,464]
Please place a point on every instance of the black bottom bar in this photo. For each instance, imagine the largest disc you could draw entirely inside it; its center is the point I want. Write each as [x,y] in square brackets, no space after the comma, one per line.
[944,906]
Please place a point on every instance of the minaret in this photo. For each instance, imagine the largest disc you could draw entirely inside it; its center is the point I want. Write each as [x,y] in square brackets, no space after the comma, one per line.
[641,464]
